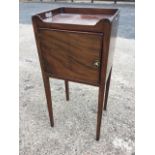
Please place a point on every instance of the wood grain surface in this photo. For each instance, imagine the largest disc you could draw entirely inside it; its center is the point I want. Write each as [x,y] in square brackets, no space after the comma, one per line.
[71,55]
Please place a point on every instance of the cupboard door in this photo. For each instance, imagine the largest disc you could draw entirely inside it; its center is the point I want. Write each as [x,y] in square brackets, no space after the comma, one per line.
[71,55]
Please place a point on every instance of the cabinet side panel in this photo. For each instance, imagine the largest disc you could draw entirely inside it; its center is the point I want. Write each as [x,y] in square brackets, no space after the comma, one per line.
[114,28]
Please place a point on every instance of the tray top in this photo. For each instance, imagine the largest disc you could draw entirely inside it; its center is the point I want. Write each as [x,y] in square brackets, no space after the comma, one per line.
[78,19]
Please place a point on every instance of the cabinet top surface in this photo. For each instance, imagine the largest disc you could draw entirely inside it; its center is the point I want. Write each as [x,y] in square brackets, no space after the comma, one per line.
[78,19]
[77,16]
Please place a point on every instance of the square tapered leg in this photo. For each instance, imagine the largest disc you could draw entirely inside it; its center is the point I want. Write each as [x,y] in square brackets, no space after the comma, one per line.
[67,90]
[48,97]
[100,110]
[107,90]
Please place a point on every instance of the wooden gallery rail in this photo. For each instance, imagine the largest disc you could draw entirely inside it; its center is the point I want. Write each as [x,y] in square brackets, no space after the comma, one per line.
[77,44]
[92,1]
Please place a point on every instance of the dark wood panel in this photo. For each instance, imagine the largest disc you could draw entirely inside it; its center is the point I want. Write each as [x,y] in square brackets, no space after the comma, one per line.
[113,36]
[71,55]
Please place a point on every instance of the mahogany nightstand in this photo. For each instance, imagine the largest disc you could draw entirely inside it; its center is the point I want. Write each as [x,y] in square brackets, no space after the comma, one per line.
[77,44]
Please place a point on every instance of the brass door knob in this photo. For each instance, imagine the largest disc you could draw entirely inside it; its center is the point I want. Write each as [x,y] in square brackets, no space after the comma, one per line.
[96,63]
